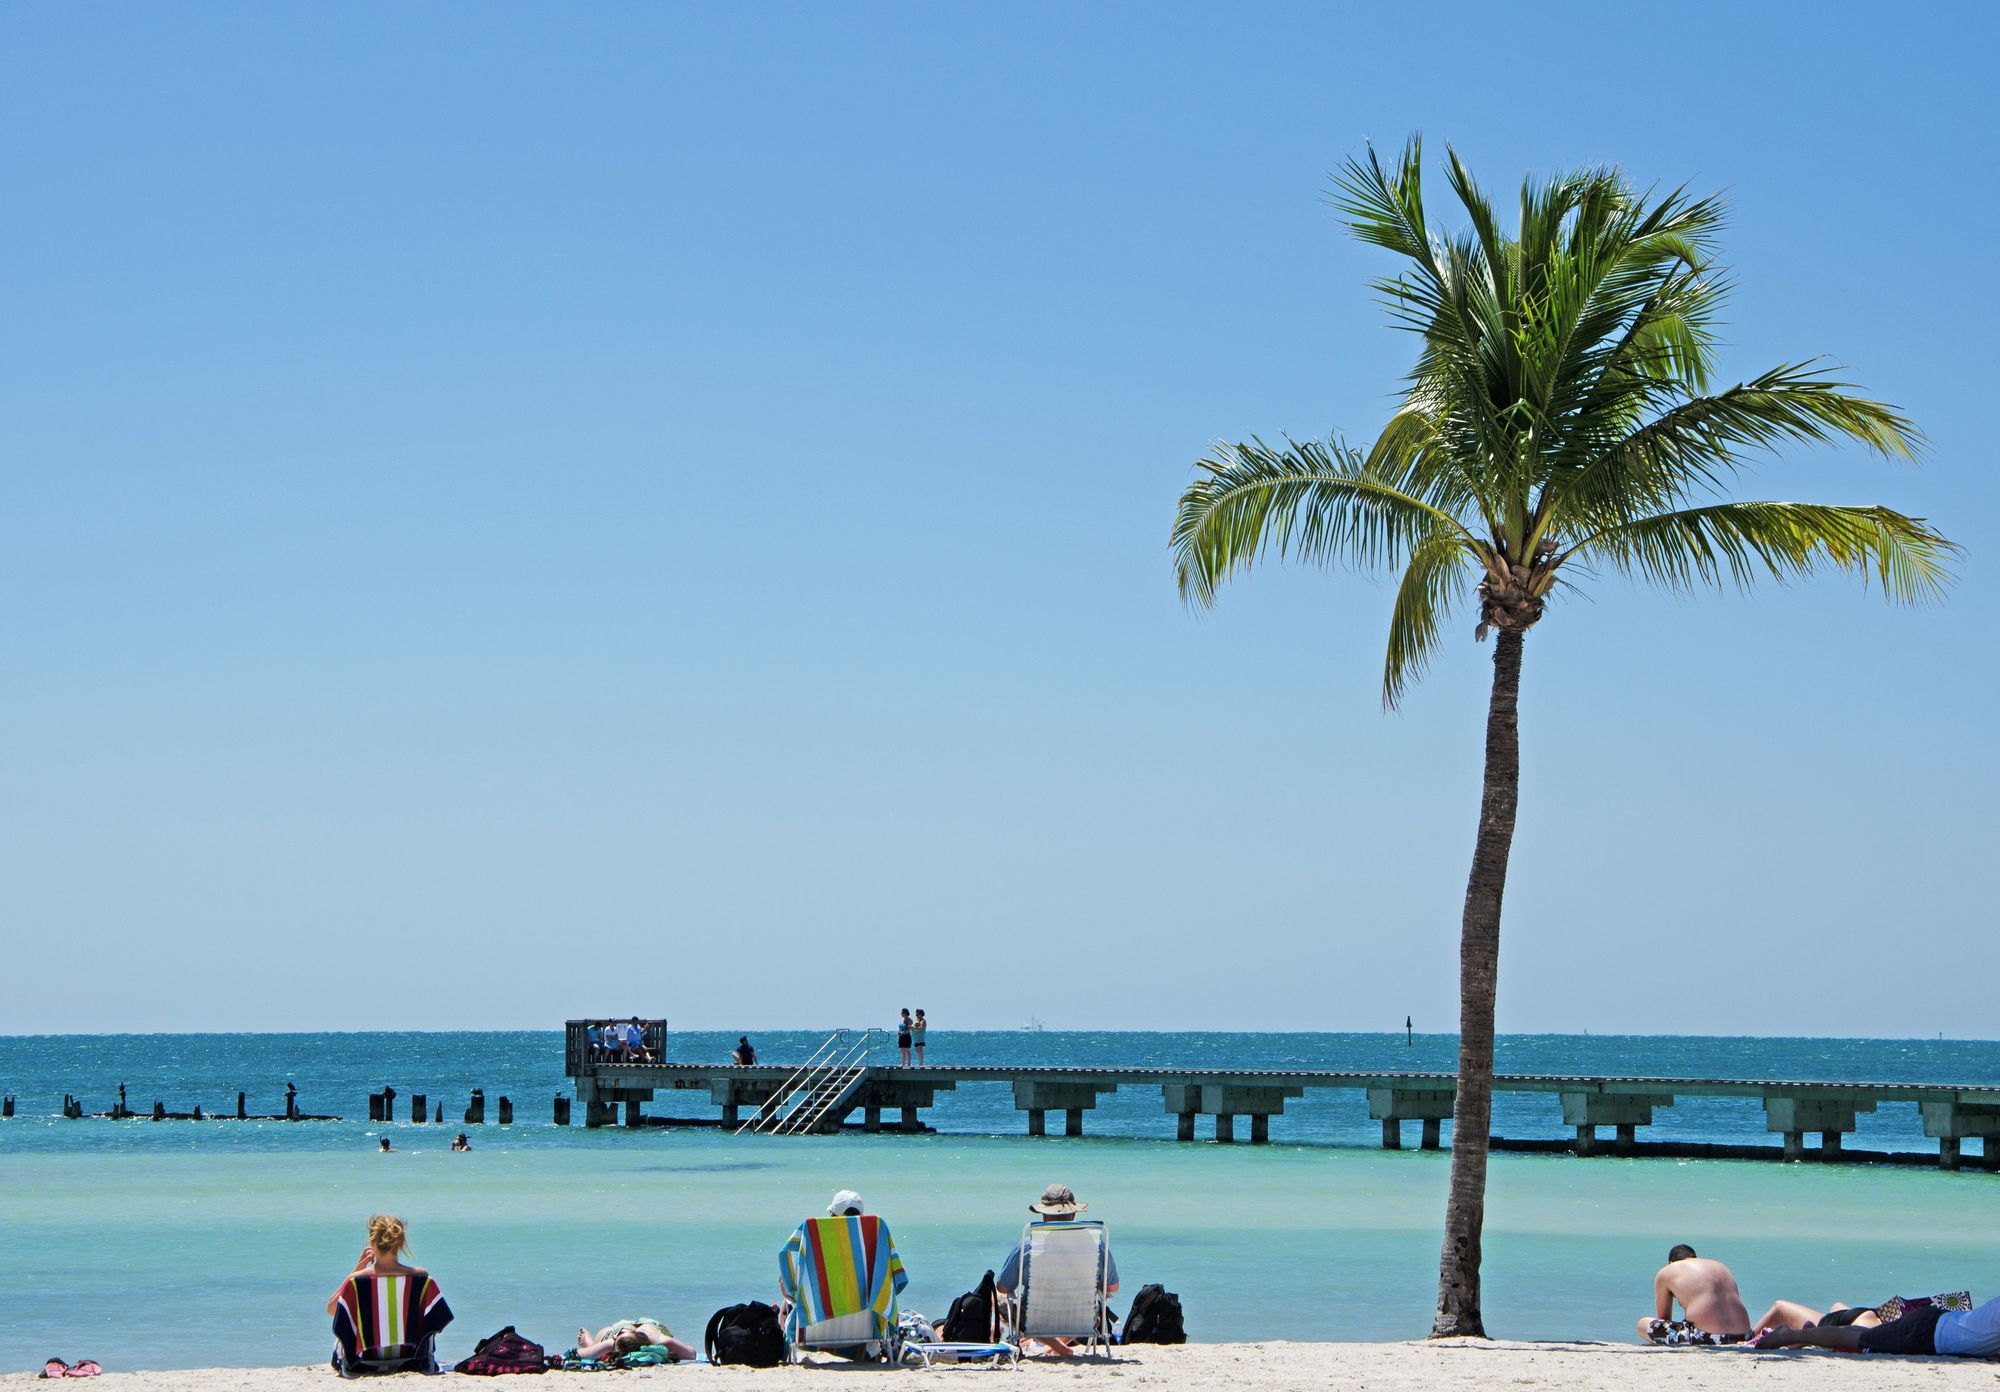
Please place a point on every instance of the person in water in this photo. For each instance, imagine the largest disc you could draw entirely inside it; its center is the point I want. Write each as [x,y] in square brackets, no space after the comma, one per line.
[1712,1308]
[626,1336]
[387,1149]
[462,1143]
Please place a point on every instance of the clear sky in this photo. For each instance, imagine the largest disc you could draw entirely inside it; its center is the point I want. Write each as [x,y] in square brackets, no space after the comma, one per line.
[510,511]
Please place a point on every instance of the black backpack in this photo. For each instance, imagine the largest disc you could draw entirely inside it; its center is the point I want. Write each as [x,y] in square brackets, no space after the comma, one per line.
[1155,1318]
[973,1318]
[745,1334]
[505,1352]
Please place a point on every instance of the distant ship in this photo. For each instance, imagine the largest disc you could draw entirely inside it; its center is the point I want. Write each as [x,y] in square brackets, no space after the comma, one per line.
[1034,1025]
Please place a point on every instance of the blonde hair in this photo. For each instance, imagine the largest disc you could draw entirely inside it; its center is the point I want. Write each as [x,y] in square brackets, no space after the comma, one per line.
[386,1233]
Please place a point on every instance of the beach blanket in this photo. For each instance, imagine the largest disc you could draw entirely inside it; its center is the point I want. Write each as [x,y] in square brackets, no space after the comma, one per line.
[832,1267]
[1684,1334]
[387,1323]
[1896,1306]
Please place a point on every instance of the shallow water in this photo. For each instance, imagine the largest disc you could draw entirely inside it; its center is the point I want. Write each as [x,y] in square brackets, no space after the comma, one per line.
[188,1244]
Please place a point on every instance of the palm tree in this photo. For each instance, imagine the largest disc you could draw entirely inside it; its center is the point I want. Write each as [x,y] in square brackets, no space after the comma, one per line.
[1559,418]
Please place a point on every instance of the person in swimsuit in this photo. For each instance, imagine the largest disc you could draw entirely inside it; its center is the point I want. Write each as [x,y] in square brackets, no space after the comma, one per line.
[917,1028]
[903,1036]
[627,1335]
[1921,1328]
[1712,1308]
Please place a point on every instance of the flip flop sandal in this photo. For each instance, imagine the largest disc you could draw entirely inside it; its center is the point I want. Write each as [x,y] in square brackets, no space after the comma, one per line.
[55,1367]
[87,1368]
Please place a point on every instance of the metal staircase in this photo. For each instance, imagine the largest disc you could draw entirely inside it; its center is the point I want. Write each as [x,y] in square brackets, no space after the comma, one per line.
[821,1091]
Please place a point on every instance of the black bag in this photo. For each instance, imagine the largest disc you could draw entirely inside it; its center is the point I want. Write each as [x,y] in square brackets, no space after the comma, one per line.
[1155,1318]
[974,1317]
[745,1334]
[505,1352]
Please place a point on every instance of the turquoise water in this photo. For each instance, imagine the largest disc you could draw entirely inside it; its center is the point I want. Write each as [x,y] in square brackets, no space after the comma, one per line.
[188,1244]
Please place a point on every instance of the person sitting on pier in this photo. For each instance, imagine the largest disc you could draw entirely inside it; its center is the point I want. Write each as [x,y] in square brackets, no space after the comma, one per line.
[627,1336]
[743,1056]
[1058,1204]
[635,1042]
[1712,1308]
[1921,1328]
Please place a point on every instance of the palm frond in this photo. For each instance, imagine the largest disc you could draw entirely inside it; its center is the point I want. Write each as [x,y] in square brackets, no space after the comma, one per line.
[1741,542]
[1312,500]
[1439,565]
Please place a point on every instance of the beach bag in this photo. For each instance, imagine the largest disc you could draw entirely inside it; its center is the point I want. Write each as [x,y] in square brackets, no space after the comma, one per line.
[1155,1318]
[505,1352]
[972,1318]
[745,1334]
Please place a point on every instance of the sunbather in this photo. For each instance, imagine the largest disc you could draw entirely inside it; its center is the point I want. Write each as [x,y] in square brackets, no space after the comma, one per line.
[1789,1314]
[627,1335]
[1712,1308]
[1938,1324]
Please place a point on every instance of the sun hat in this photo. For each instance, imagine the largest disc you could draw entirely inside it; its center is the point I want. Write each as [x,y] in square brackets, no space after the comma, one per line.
[1058,1201]
[844,1203]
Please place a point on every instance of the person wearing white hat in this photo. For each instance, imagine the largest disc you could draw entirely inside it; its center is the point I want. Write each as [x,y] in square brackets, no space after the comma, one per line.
[1058,1204]
[846,1204]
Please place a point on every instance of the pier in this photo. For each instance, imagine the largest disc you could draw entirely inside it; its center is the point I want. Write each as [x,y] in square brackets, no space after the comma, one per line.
[840,1082]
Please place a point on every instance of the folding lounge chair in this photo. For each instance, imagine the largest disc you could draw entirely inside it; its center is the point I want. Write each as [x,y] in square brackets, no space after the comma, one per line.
[1060,1292]
[840,1277]
[388,1324]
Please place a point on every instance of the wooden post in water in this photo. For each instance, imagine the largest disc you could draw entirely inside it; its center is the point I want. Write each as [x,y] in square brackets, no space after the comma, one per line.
[241,1114]
[374,1106]
[437,1113]
[291,1102]
[420,1111]
[159,1111]
[7,1105]
[506,1112]
[475,1112]
[562,1111]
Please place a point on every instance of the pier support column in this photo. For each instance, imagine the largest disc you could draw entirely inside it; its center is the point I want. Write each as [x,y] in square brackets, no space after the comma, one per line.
[1260,1128]
[1037,1122]
[871,1119]
[732,1115]
[1225,1102]
[1184,1129]
[910,1122]
[1953,1121]
[633,1116]
[1829,1111]
[1225,1127]
[1038,1096]
[1392,1106]
[1587,1109]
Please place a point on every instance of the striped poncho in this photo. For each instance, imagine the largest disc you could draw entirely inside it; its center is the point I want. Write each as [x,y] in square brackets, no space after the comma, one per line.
[842,1266]
[380,1320]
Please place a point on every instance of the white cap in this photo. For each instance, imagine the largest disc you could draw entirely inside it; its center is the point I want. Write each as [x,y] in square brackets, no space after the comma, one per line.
[844,1203]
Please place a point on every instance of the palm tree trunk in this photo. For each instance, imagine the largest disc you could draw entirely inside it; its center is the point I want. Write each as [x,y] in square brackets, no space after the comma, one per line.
[1458,1310]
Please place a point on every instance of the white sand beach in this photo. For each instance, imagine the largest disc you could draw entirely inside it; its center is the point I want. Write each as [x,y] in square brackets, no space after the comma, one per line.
[1277,1367]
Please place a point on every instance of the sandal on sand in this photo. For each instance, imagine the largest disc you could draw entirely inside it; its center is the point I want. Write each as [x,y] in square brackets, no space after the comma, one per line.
[55,1367]
[87,1368]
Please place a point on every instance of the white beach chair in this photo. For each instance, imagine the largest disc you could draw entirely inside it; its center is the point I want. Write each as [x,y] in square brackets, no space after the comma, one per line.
[1060,1293]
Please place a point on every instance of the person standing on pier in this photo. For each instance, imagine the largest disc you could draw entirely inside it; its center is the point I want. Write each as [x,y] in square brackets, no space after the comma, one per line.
[903,1037]
[917,1028]
[744,1056]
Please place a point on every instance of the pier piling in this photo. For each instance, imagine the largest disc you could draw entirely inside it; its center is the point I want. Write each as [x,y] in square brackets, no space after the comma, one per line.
[506,1112]
[420,1109]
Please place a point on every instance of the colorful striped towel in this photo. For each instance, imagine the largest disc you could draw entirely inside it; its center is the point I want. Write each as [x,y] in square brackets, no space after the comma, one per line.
[833,1267]
[387,1319]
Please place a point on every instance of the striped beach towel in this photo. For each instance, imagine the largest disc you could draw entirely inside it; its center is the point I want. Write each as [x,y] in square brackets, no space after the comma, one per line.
[833,1268]
[385,1322]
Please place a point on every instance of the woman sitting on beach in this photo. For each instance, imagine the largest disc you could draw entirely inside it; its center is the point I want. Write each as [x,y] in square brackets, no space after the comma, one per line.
[364,1311]
[626,1336]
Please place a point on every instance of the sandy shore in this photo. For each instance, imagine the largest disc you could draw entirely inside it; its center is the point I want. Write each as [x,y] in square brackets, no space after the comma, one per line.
[1410,1367]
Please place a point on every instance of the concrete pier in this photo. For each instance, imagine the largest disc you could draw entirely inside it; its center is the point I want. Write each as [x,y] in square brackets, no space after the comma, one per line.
[871,1094]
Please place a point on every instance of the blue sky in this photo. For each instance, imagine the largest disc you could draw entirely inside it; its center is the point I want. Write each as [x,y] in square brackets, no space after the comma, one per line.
[511,511]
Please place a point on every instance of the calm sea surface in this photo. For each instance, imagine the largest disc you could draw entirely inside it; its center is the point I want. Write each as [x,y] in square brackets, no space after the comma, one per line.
[181,1244]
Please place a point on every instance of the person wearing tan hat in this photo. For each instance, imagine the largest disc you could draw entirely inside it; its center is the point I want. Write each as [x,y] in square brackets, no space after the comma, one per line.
[1058,1204]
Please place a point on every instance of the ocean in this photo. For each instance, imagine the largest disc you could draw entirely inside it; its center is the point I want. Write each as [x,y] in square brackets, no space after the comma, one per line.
[187,1244]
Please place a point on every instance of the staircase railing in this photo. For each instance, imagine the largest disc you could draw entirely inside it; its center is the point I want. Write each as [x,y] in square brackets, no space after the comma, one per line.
[816,1086]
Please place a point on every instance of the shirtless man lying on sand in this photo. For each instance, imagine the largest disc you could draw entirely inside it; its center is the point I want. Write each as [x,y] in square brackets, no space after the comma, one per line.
[1711,1306]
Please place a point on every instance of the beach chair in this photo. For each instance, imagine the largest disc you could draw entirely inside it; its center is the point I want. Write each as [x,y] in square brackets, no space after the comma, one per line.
[388,1324]
[1060,1292]
[839,1278]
